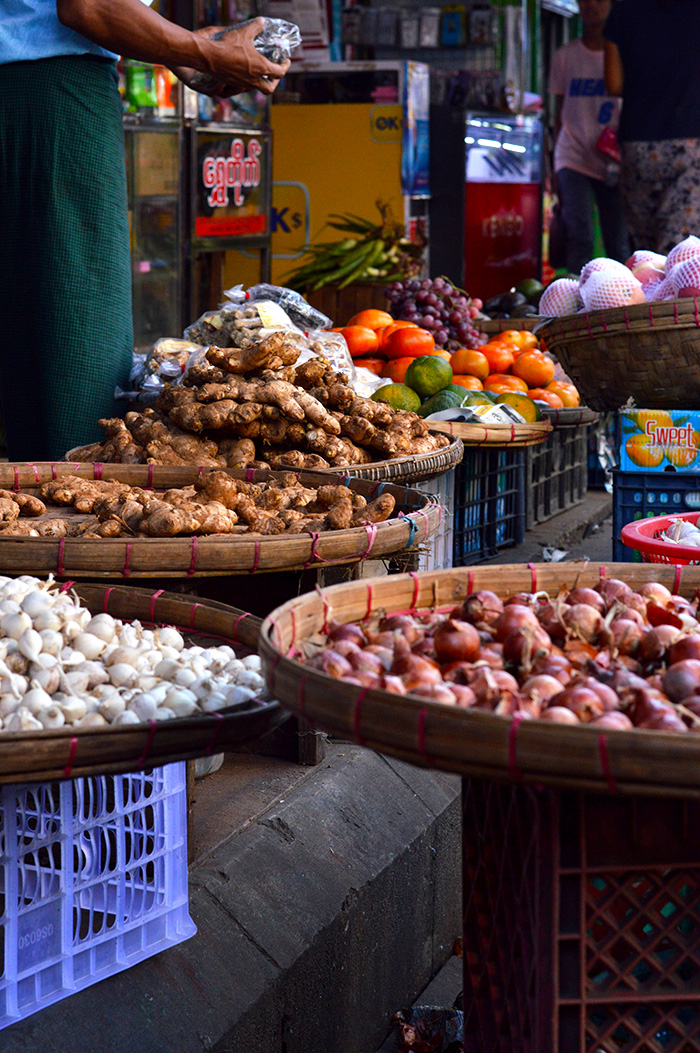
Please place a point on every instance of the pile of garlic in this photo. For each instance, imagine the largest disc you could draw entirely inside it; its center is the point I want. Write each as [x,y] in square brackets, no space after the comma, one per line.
[682,532]
[60,665]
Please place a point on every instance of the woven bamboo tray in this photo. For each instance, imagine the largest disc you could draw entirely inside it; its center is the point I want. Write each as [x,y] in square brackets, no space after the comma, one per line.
[494,434]
[465,741]
[500,325]
[417,516]
[411,468]
[73,752]
[649,352]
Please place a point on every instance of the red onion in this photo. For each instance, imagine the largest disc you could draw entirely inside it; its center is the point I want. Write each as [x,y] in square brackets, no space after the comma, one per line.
[526,599]
[606,694]
[458,672]
[331,662]
[665,719]
[514,616]
[434,692]
[683,647]
[489,684]
[646,704]
[425,646]
[464,696]
[402,623]
[560,715]
[394,684]
[626,635]
[584,622]
[492,654]
[384,654]
[551,618]
[654,591]
[631,614]
[482,609]
[367,679]
[614,721]
[682,679]
[656,644]
[589,596]
[543,688]
[509,704]
[612,589]
[554,665]
[456,642]
[521,646]
[385,639]
[364,662]
[582,701]
[347,631]
[346,647]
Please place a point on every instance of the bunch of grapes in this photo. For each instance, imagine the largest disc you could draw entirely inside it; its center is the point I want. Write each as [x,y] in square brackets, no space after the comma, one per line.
[436,305]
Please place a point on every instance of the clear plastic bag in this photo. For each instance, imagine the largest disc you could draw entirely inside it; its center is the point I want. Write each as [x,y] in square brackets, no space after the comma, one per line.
[232,324]
[275,41]
[334,349]
[301,313]
[163,365]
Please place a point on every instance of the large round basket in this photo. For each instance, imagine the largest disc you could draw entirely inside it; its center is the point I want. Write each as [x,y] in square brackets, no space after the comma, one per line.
[465,741]
[409,468]
[644,536]
[569,417]
[493,326]
[416,517]
[648,352]
[72,752]
[494,434]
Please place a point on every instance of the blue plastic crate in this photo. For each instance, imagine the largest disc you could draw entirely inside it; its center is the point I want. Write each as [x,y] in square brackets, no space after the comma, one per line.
[93,879]
[489,503]
[643,495]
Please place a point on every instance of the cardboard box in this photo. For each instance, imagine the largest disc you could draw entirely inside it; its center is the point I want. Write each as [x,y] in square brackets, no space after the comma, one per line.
[659,440]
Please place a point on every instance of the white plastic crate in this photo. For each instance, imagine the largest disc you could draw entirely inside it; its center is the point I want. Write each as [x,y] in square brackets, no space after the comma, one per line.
[436,552]
[93,879]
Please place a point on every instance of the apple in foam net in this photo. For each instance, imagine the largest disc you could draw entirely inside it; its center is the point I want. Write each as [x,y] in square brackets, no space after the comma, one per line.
[604,265]
[607,289]
[646,266]
[560,298]
[685,277]
[683,251]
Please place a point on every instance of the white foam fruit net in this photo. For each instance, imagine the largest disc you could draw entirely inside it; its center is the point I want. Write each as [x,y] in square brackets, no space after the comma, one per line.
[560,298]
[685,277]
[603,265]
[604,289]
[683,251]
[655,292]
[646,256]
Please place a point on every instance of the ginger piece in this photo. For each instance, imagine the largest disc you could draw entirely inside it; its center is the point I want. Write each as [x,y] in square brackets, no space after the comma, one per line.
[298,459]
[339,516]
[123,449]
[275,351]
[237,453]
[82,494]
[17,528]
[26,503]
[376,511]
[358,430]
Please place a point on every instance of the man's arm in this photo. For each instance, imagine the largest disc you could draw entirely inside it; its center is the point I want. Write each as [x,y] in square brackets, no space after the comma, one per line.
[614,72]
[133,30]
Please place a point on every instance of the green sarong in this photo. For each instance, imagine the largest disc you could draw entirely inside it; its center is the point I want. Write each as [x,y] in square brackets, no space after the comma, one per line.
[65,277]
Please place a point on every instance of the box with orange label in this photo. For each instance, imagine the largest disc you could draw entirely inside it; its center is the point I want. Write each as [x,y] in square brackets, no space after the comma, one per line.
[659,440]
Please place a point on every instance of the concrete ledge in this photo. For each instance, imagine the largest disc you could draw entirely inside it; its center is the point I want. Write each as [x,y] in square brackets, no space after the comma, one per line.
[316,921]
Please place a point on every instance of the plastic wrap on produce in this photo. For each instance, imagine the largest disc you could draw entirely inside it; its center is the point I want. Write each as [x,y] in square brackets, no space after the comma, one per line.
[164,364]
[300,312]
[231,324]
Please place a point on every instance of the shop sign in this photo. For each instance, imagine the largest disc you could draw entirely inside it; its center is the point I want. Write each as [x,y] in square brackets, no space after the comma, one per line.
[231,175]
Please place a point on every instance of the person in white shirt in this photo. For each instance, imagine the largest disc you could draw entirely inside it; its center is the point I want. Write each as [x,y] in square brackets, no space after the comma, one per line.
[586,120]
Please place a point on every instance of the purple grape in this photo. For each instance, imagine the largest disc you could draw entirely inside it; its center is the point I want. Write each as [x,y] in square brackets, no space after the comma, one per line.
[441,337]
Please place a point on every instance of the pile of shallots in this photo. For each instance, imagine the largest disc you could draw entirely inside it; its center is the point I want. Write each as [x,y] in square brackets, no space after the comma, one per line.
[606,656]
[60,665]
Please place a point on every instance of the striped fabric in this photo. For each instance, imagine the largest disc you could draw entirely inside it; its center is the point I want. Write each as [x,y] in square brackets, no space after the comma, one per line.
[65,277]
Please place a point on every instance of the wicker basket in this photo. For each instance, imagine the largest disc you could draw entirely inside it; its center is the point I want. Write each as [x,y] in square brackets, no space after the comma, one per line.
[491,326]
[494,434]
[649,352]
[570,417]
[466,741]
[410,468]
[417,516]
[72,752]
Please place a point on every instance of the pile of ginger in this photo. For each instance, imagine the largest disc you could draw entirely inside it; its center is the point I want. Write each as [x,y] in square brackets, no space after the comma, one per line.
[254,406]
[216,504]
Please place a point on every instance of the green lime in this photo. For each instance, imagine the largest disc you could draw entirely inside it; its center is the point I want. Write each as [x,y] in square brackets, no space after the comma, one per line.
[524,405]
[428,374]
[459,390]
[477,398]
[530,287]
[442,400]
[398,396]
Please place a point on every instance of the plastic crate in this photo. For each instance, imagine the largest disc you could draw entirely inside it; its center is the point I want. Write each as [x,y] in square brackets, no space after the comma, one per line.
[557,473]
[436,552]
[643,495]
[93,879]
[581,922]
[489,503]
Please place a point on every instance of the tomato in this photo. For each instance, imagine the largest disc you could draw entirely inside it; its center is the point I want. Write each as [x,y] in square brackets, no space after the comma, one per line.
[535,368]
[550,397]
[371,319]
[410,343]
[501,383]
[469,382]
[360,340]
[568,393]
[375,365]
[499,358]
[472,363]
[396,369]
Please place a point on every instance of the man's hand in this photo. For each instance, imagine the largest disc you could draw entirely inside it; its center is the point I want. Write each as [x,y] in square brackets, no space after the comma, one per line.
[234,63]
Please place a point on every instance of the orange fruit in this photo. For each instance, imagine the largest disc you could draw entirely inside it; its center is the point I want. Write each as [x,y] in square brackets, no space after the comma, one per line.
[360,340]
[500,359]
[543,395]
[371,319]
[535,368]
[469,362]
[643,451]
[511,336]
[501,383]
[469,382]
[385,332]
[375,365]
[396,369]
[412,342]
[568,393]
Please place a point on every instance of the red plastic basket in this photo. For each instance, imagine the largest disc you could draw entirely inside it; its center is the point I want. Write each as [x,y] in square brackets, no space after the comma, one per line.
[643,535]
